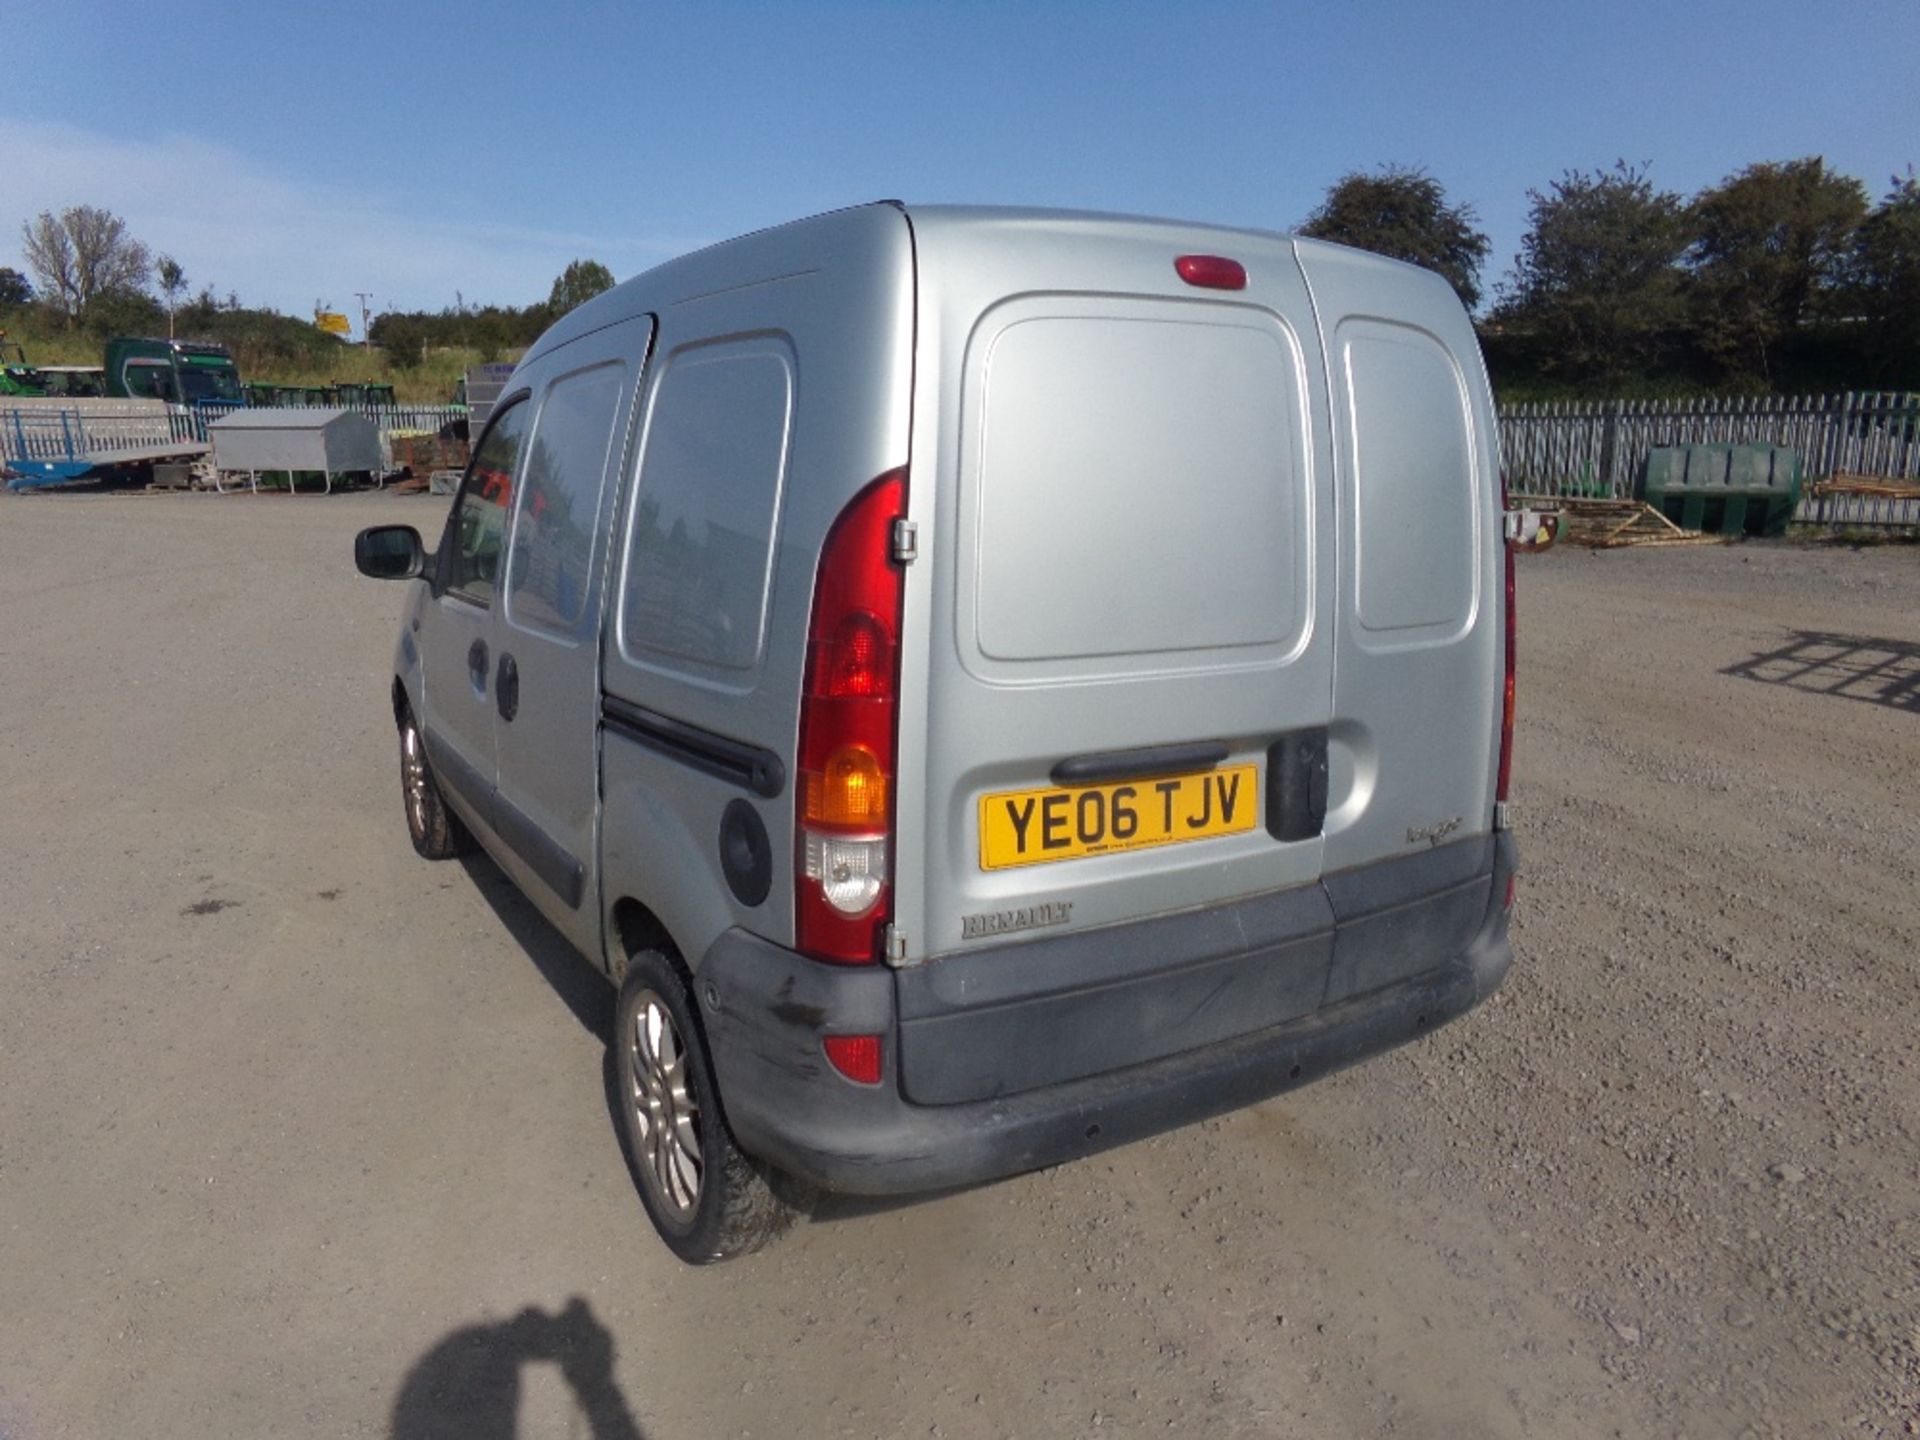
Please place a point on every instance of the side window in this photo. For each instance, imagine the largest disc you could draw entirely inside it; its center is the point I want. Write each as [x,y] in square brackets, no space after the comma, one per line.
[550,556]
[478,522]
[700,550]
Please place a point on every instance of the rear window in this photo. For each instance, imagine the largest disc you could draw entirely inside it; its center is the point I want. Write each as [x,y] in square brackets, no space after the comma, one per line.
[1140,481]
[700,548]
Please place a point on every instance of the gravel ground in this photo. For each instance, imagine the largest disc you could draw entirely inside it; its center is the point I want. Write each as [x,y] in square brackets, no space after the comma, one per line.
[300,1135]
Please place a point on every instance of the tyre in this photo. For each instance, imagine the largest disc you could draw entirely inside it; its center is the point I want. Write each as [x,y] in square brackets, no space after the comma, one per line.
[709,1201]
[437,832]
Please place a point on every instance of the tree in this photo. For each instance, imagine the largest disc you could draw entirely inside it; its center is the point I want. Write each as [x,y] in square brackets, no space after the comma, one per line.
[489,336]
[1886,279]
[124,311]
[1770,245]
[402,337]
[15,288]
[1404,213]
[173,284]
[577,284]
[1597,282]
[82,253]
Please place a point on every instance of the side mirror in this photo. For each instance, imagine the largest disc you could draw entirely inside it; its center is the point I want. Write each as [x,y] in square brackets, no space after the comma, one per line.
[389,552]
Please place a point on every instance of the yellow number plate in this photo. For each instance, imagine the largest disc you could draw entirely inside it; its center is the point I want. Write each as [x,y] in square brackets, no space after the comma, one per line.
[1030,827]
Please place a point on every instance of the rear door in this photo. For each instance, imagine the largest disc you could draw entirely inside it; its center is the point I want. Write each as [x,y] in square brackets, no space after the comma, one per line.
[1417,668]
[1129,660]
[546,624]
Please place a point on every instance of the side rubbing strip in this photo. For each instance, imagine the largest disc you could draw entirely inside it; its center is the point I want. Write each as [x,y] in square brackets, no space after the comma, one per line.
[451,769]
[545,856]
[748,766]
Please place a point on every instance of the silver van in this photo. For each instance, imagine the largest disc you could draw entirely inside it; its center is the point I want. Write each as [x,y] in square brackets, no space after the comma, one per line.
[986,685]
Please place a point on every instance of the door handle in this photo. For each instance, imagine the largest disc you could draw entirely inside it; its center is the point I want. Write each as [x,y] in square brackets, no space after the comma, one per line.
[506,687]
[477,666]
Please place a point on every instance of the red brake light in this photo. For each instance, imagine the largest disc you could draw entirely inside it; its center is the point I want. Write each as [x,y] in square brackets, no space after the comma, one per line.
[855,1056]
[862,658]
[843,804]
[1212,272]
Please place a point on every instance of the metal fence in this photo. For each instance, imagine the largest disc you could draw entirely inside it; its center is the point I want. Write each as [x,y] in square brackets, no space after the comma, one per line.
[49,441]
[387,419]
[429,419]
[108,433]
[1599,448]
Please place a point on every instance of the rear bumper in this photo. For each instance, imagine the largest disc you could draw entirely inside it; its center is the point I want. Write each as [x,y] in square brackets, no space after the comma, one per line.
[766,1010]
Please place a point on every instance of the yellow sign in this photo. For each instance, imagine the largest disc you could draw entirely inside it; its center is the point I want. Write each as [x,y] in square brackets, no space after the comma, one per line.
[1027,827]
[332,322]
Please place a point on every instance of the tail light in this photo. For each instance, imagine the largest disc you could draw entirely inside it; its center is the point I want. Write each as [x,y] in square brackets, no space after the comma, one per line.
[843,894]
[1506,699]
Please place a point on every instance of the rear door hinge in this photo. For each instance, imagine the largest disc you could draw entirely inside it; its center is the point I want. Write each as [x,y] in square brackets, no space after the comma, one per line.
[906,541]
[895,940]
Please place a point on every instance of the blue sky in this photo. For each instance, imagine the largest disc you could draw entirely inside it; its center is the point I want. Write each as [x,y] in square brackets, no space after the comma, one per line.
[300,151]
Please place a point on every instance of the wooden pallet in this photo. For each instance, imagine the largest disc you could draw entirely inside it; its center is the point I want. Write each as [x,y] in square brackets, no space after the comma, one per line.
[1614,524]
[1872,486]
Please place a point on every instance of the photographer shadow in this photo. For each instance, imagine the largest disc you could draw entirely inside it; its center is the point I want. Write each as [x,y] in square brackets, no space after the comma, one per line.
[469,1385]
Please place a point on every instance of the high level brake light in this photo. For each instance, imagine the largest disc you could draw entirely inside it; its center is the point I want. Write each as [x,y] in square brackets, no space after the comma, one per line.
[1212,272]
[843,895]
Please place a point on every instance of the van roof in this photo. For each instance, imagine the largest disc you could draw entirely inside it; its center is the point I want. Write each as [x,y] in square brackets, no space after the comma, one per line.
[785,249]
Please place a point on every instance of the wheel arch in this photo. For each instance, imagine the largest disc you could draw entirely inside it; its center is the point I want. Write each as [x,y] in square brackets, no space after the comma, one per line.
[636,928]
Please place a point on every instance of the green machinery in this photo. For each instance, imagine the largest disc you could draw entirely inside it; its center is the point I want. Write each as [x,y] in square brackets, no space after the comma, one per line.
[354,395]
[181,372]
[364,394]
[17,377]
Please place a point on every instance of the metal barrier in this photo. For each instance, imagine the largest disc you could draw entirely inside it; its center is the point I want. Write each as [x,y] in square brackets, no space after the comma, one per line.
[47,444]
[1598,449]
[387,419]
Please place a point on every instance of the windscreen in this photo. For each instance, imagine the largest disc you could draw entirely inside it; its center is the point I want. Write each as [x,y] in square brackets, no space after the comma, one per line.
[210,382]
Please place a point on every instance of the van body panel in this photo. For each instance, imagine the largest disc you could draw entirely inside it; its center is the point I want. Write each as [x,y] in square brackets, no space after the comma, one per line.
[454,625]
[1418,551]
[1121,548]
[456,703]
[547,619]
[807,331]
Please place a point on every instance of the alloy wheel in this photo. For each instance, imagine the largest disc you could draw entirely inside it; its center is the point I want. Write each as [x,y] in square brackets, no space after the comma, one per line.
[666,1115]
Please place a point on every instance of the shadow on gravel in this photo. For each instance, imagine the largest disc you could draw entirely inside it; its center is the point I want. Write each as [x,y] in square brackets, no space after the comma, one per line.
[469,1385]
[582,988]
[589,997]
[1855,667]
